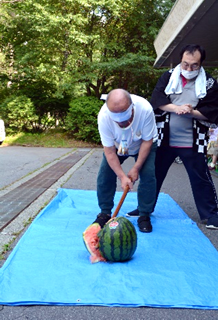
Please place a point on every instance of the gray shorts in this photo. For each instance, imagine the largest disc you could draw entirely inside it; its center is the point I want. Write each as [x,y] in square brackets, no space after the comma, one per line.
[213,148]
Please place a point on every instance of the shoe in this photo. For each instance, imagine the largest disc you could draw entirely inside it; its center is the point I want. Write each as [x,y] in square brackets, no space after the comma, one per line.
[102,219]
[212,222]
[134,213]
[178,160]
[211,168]
[144,224]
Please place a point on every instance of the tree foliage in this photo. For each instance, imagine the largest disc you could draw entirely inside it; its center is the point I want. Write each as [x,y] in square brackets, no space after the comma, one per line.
[19,113]
[56,50]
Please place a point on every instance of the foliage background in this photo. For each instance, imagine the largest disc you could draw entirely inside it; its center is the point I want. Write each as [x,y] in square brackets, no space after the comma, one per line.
[53,53]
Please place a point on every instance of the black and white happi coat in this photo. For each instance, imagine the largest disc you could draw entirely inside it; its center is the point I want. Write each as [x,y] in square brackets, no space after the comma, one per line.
[208,106]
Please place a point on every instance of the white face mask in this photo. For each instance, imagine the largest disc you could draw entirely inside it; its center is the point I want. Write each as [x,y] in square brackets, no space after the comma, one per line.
[121,116]
[189,74]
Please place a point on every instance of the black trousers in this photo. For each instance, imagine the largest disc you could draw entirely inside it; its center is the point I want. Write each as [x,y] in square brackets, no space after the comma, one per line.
[202,185]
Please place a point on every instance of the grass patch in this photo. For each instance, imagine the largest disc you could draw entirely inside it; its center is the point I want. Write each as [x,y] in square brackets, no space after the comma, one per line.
[49,139]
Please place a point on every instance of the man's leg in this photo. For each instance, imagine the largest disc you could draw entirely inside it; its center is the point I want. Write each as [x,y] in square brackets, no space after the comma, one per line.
[203,188]
[163,160]
[165,156]
[147,184]
[106,188]
[146,191]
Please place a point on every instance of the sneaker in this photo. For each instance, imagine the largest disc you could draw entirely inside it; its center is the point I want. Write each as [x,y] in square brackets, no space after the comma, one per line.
[212,222]
[134,213]
[178,160]
[211,168]
[144,224]
[102,219]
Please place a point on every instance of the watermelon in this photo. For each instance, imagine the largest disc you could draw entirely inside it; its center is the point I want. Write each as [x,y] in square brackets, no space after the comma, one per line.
[91,241]
[117,240]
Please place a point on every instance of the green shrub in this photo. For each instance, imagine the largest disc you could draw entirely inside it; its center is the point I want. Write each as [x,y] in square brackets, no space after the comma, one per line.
[81,119]
[18,113]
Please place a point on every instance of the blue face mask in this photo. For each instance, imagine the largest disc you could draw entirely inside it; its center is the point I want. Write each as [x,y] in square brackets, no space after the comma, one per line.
[189,74]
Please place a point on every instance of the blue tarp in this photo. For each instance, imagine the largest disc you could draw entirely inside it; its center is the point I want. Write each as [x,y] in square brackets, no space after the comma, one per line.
[175,266]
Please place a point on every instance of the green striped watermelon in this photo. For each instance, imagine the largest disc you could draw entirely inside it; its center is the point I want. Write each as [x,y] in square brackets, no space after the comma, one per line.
[117,240]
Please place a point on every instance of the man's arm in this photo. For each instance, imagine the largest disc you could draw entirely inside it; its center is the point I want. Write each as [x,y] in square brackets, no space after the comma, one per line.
[114,163]
[208,106]
[197,115]
[142,156]
[159,97]
[183,109]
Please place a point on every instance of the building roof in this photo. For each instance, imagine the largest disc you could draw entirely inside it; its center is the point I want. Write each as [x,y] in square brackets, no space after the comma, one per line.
[189,21]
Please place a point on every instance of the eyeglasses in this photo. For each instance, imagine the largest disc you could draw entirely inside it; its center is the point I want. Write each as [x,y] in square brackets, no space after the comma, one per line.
[193,66]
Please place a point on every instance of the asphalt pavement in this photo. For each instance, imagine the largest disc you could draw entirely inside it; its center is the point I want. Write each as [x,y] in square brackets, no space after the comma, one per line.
[19,164]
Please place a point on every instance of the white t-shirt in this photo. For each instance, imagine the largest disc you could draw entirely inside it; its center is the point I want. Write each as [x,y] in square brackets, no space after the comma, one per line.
[143,126]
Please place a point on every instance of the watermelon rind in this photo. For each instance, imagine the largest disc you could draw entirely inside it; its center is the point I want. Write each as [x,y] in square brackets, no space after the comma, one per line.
[93,228]
[91,241]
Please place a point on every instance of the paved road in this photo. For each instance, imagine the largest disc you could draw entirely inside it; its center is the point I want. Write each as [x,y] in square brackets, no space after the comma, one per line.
[17,162]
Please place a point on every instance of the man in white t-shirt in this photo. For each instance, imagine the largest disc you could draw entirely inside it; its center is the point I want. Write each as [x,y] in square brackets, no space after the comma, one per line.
[127,128]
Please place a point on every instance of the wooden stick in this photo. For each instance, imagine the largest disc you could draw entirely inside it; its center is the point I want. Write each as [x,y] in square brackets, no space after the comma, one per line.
[126,190]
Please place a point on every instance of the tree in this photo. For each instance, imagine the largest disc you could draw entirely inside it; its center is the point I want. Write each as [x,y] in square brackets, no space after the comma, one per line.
[55,50]
[118,51]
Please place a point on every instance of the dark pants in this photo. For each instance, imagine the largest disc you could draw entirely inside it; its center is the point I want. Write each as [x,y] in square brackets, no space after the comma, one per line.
[107,183]
[203,189]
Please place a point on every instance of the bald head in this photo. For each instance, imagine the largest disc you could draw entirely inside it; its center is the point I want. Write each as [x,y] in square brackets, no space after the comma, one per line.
[118,100]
